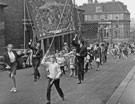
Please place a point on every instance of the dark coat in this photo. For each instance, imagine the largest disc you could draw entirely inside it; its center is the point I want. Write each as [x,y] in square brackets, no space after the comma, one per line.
[38,55]
[81,50]
[7,59]
[97,53]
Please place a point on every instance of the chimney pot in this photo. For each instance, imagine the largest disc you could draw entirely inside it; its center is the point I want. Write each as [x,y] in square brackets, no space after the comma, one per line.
[90,1]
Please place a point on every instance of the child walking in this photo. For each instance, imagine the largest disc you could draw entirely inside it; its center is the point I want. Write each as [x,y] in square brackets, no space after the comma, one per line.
[72,62]
[53,78]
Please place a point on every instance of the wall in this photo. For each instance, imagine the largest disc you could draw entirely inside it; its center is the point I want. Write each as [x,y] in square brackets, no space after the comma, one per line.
[13,22]
[2,32]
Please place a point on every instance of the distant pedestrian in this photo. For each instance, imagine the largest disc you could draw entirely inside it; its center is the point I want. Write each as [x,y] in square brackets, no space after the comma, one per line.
[102,59]
[97,56]
[106,50]
[57,53]
[65,48]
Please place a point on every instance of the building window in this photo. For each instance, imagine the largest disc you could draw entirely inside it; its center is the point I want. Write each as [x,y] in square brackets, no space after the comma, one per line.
[88,18]
[85,18]
[117,26]
[102,17]
[121,16]
[116,16]
[98,9]
[96,17]
[109,16]
[105,17]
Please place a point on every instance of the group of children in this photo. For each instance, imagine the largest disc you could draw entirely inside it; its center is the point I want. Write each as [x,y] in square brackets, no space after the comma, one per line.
[121,50]
[67,61]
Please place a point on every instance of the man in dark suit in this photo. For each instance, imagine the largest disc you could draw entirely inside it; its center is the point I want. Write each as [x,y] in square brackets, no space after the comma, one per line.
[36,58]
[81,52]
[11,60]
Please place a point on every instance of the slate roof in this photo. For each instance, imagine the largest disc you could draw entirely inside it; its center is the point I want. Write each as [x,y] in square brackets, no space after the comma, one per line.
[106,7]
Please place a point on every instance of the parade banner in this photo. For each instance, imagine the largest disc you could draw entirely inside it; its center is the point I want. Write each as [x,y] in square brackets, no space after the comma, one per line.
[46,15]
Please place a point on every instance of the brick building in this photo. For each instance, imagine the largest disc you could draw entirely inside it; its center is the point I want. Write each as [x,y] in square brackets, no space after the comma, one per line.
[113,17]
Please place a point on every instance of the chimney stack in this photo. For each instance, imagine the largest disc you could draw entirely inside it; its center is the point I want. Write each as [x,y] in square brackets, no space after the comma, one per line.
[90,1]
[96,1]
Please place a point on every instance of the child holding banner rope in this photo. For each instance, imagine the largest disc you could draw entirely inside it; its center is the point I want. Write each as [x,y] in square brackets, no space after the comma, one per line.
[54,76]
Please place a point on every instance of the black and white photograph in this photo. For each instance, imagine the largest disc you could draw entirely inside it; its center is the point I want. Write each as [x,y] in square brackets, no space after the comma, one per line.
[67,52]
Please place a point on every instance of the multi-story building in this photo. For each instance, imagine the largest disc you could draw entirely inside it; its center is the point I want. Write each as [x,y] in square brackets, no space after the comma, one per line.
[113,17]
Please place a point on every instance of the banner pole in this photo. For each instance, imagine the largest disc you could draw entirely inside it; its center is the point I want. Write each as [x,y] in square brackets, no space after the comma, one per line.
[24,25]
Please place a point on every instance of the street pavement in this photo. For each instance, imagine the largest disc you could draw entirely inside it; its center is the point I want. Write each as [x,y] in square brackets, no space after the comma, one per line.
[125,93]
[128,96]
[97,88]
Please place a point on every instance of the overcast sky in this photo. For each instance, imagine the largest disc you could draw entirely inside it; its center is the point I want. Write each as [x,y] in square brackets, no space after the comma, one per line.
[130,4]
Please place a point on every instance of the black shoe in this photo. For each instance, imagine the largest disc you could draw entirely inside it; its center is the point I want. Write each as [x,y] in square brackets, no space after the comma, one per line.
[83,79]
[48,102]
[63,98]
[38,77]
[35,80]
[79,82]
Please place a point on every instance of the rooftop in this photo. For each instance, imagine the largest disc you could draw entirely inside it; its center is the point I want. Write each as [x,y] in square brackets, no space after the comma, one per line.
[106,7]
